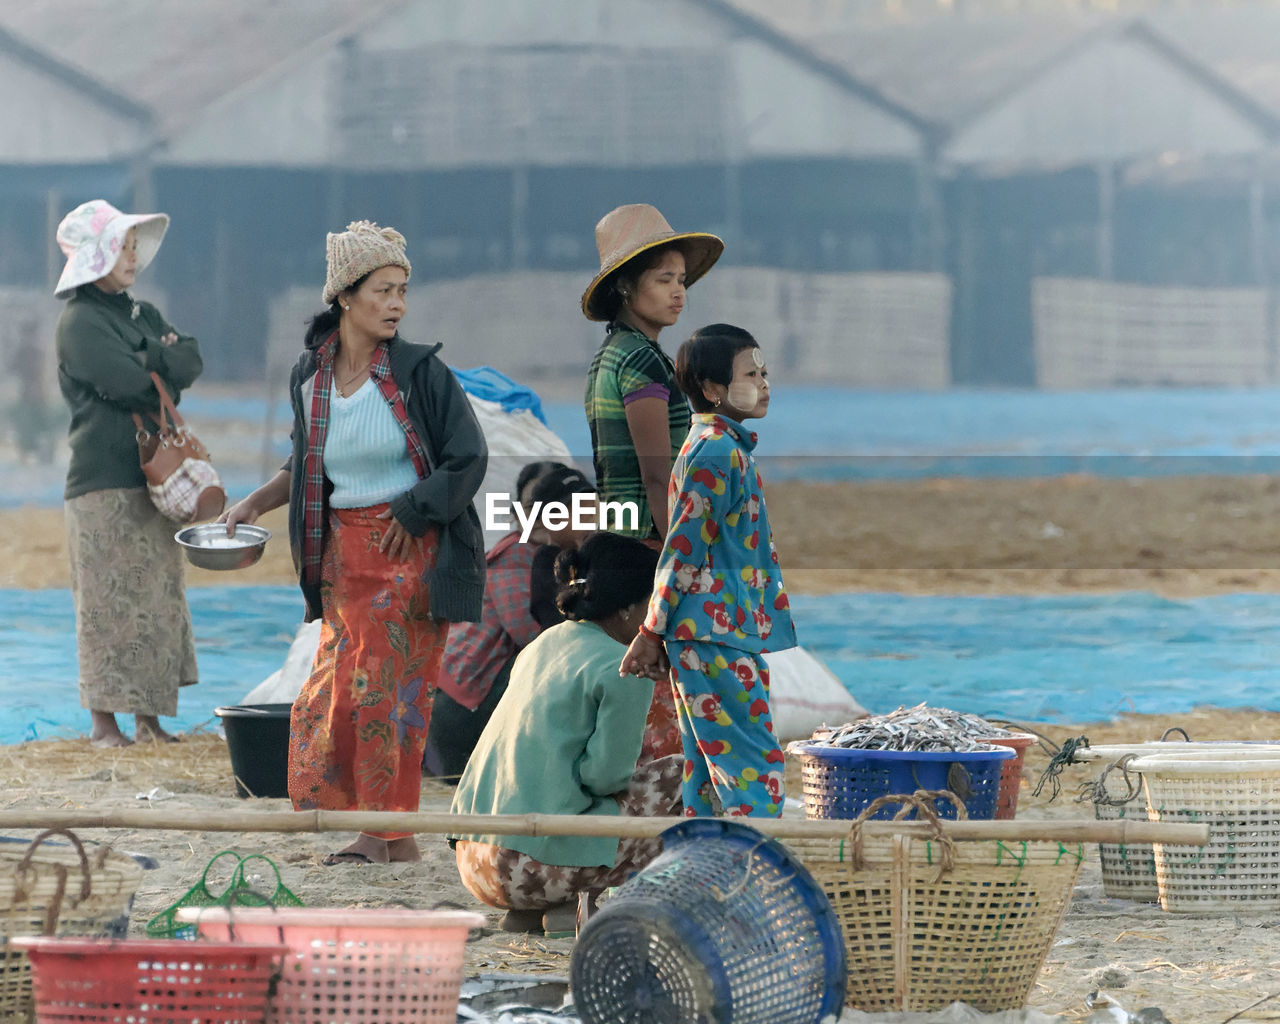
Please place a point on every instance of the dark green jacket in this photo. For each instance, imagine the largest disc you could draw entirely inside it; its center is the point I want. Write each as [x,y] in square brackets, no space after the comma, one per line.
[107,347]
[441,413]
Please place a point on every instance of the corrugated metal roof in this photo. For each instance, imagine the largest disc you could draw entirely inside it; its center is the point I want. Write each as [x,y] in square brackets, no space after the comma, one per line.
[946,69]
[607,99]
[587,106]
[1242,44]
[177,56]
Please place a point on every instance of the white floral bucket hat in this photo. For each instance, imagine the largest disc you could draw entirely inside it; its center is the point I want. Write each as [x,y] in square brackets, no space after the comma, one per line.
[91,237]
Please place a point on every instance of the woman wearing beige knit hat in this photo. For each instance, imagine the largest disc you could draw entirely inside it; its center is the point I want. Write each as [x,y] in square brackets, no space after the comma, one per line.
[387,456]
[637,415]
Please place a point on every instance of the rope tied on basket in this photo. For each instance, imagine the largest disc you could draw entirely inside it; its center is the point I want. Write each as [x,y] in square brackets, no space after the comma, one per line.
[922,801]
[749,856]
[1095,790]
[1065,756]
[25,876]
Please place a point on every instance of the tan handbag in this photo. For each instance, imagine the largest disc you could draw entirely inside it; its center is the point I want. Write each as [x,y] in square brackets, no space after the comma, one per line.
[181,480]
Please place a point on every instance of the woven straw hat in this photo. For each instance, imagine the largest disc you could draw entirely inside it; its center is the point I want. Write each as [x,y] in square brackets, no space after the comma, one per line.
[92,235]
[361,249]
[627,232]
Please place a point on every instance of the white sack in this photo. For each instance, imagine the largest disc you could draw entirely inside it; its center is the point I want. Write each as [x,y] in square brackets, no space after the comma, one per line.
[804,694]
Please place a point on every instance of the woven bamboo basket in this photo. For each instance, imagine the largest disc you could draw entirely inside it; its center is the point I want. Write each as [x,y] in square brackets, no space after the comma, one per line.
[50,889]
[1238,794]
[928,921]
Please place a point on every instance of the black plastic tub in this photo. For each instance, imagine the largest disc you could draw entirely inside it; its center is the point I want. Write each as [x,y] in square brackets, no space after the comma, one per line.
[258,741]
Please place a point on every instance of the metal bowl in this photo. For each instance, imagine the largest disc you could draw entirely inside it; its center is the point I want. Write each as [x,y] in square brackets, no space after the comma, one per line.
[207,545]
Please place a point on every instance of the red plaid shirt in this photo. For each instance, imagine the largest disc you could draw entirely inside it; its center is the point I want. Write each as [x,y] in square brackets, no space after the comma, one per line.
[476,651]
[313,485]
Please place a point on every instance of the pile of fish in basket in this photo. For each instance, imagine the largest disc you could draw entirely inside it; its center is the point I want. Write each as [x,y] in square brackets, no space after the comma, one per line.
[1232,786]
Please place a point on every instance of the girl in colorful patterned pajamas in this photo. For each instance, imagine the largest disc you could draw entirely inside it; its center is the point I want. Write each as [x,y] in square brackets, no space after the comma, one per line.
[718,602]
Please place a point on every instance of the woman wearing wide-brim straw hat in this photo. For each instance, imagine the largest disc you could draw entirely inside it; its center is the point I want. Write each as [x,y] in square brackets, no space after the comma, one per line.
[637,414]
[133,629]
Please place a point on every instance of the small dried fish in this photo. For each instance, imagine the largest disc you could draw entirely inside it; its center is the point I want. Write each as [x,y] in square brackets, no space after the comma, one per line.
[917,728]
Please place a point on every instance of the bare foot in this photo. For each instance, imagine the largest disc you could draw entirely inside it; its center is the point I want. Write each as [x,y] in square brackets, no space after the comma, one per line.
[147,730]
[365,850]
[405,849]
[105,732]
[368,850]
[116,739]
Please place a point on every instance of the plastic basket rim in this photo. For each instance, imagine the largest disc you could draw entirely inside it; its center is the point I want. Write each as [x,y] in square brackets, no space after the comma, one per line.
[332,917]
[860,754]
[1025,739]
[1162,766]
[182,949]
[1153,747]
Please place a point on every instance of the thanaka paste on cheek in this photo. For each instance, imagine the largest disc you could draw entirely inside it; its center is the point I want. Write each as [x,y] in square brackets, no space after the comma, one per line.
[743,395]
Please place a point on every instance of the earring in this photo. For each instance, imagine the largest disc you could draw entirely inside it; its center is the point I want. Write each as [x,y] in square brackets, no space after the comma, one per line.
[718,401]
[346,307]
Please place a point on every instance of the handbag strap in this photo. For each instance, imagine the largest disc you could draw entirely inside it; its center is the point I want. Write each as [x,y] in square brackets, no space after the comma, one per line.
[166,407]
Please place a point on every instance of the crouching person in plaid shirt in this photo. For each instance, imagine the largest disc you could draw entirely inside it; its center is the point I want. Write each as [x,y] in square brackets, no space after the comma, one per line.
[478,655]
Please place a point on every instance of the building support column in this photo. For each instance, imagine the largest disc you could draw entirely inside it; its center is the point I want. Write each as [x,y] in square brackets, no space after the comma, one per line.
[1260,263]
[1104,240]
[520,218]
[928,221]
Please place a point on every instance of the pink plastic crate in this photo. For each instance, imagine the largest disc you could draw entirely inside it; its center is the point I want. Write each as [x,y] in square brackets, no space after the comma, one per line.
[365,965]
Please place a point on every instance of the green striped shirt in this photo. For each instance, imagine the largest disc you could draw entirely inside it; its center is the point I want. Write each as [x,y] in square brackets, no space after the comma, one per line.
[629,366]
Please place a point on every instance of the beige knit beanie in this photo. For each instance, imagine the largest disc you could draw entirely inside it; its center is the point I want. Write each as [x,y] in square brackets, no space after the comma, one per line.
[361,249]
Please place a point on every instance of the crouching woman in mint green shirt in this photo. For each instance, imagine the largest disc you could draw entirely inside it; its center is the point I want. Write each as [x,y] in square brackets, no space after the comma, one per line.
[564,739]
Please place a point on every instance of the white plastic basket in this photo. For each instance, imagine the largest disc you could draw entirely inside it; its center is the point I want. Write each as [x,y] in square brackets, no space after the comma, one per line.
[1237,793]
[1129,869]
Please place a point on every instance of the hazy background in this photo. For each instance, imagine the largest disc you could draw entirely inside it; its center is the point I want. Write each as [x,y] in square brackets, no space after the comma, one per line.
[915,195]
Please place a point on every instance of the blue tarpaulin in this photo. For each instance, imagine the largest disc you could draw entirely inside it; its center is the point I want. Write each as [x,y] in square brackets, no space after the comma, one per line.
[1032,659]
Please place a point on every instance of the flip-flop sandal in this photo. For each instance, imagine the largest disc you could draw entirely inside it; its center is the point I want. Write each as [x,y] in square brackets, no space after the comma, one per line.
[346,857]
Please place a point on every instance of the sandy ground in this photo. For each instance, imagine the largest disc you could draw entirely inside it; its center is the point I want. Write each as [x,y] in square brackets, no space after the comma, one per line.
[1199,968]
[1178,536]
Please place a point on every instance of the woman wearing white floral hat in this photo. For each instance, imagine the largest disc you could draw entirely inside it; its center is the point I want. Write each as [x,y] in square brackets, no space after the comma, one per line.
[133,629]
[387,456]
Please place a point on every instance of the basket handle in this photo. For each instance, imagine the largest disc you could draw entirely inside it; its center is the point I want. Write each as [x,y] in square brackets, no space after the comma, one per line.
[922,801]
[86,879]
[238,881]
[23,867]
[203,884]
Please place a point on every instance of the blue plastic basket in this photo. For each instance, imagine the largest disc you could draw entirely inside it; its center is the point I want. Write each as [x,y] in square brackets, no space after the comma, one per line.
[724,925]
[840,782]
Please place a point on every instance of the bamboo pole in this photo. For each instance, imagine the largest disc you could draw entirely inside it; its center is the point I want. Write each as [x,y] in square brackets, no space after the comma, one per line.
[1084,830]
